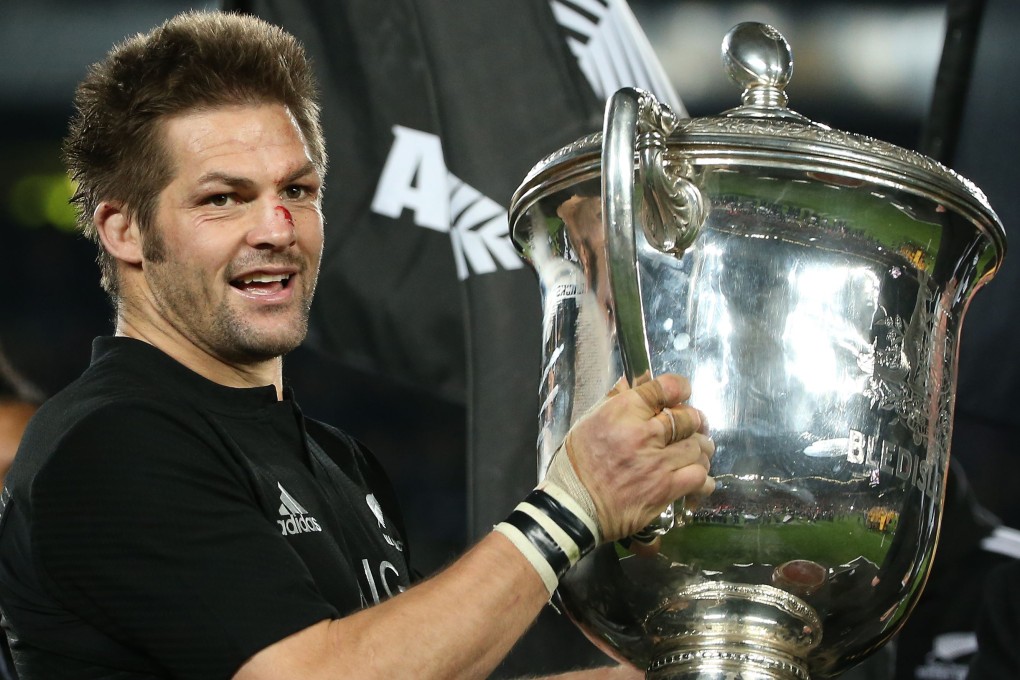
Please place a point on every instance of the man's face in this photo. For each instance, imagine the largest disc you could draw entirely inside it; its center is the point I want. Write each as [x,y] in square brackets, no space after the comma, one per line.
[233,255]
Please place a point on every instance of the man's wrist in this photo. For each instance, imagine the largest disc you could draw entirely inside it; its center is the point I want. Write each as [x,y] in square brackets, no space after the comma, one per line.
[561,472]
[552,531]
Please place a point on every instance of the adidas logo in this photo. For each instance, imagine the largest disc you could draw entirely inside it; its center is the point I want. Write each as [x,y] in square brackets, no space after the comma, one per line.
[298,521]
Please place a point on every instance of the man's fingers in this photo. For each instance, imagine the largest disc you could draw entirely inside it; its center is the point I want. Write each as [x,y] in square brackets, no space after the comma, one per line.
[678,423]
[707,445]
[706,489]
[620,386]
[692,480]
[697,449]
[652,394]
[666,390]
[671,432]
[704,429]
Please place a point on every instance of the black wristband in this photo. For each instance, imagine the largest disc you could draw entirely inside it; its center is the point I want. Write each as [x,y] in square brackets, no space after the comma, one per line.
[550,534]
[567,520]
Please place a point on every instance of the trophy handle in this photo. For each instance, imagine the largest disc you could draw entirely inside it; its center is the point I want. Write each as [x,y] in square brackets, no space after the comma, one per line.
[673,207]
[636,122]
[618,207]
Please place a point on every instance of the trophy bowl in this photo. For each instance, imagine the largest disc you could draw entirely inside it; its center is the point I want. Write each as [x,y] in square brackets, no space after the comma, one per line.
[811,284]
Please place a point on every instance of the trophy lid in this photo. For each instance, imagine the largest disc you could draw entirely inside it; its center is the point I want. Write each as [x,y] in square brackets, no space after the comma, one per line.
[763,131]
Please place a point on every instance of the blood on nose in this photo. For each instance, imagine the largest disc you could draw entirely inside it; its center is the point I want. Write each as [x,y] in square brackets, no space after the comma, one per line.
[285,214]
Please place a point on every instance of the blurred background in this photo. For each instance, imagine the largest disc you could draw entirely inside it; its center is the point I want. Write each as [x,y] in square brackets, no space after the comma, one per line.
[865,66]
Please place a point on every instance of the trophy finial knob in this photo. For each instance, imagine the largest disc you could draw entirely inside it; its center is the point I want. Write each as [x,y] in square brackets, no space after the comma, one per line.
[758,58]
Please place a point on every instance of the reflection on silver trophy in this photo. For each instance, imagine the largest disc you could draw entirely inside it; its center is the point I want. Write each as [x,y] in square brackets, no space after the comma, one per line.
[811,283]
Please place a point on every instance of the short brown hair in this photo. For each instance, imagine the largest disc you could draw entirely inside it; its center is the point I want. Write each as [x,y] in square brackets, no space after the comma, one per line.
[192,62]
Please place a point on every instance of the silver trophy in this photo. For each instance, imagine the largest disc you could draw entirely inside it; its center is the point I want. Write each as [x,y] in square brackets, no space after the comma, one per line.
[811,283]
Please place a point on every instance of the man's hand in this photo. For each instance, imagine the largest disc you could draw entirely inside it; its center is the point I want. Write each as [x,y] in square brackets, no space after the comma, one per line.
[639,451]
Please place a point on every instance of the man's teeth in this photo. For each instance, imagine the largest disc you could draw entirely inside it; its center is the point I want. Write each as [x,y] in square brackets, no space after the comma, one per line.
[265,278]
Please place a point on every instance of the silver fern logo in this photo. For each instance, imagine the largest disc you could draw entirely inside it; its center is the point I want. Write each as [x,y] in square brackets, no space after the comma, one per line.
[612,50]
[373,505]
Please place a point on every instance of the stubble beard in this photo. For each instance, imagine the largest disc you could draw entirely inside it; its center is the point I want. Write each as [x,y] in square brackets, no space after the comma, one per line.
[223,330]
[241,342]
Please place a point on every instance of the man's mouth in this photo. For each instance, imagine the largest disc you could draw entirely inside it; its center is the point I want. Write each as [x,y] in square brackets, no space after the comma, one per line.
[262,284]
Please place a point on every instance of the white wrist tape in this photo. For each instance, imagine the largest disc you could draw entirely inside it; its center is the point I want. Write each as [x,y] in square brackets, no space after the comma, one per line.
[561,473]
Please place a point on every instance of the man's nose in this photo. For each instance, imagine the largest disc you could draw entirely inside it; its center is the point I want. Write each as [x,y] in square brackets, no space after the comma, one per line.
[275,228]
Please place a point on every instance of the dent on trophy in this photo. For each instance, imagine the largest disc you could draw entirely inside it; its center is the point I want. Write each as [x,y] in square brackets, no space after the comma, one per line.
[811,283]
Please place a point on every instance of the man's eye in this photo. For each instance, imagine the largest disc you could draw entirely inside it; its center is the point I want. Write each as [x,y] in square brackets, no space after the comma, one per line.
[294,192]
[219,200]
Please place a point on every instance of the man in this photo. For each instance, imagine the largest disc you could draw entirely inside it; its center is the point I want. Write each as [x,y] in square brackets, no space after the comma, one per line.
[172,513]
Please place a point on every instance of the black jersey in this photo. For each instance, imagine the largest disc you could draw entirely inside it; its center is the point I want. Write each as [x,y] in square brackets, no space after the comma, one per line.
[157,524]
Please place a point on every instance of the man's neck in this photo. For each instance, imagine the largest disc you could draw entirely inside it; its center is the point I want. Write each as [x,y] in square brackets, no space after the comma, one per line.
[204,362]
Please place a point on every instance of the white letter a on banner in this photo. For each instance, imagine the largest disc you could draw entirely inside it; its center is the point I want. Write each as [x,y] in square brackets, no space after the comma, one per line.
[414,177]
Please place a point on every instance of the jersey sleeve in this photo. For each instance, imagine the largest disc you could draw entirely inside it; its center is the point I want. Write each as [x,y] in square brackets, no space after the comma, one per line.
[143,527]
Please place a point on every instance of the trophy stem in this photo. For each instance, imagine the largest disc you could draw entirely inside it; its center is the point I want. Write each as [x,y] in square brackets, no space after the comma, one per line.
[726,663]
[722,631]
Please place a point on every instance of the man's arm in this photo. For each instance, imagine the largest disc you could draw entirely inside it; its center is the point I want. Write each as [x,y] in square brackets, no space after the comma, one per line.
[458,624]
[463,621]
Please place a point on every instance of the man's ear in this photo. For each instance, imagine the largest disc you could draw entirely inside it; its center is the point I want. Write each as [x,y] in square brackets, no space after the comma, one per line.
[119,232]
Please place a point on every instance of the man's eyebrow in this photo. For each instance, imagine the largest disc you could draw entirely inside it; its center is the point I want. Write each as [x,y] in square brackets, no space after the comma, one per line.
[237,182]
[224,178]
[306,169]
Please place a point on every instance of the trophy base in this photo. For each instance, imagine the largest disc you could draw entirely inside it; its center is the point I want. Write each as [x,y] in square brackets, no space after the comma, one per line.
[723,631]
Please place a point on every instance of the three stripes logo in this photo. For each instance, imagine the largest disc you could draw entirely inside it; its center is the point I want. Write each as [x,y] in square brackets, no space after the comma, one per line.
[297,520]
